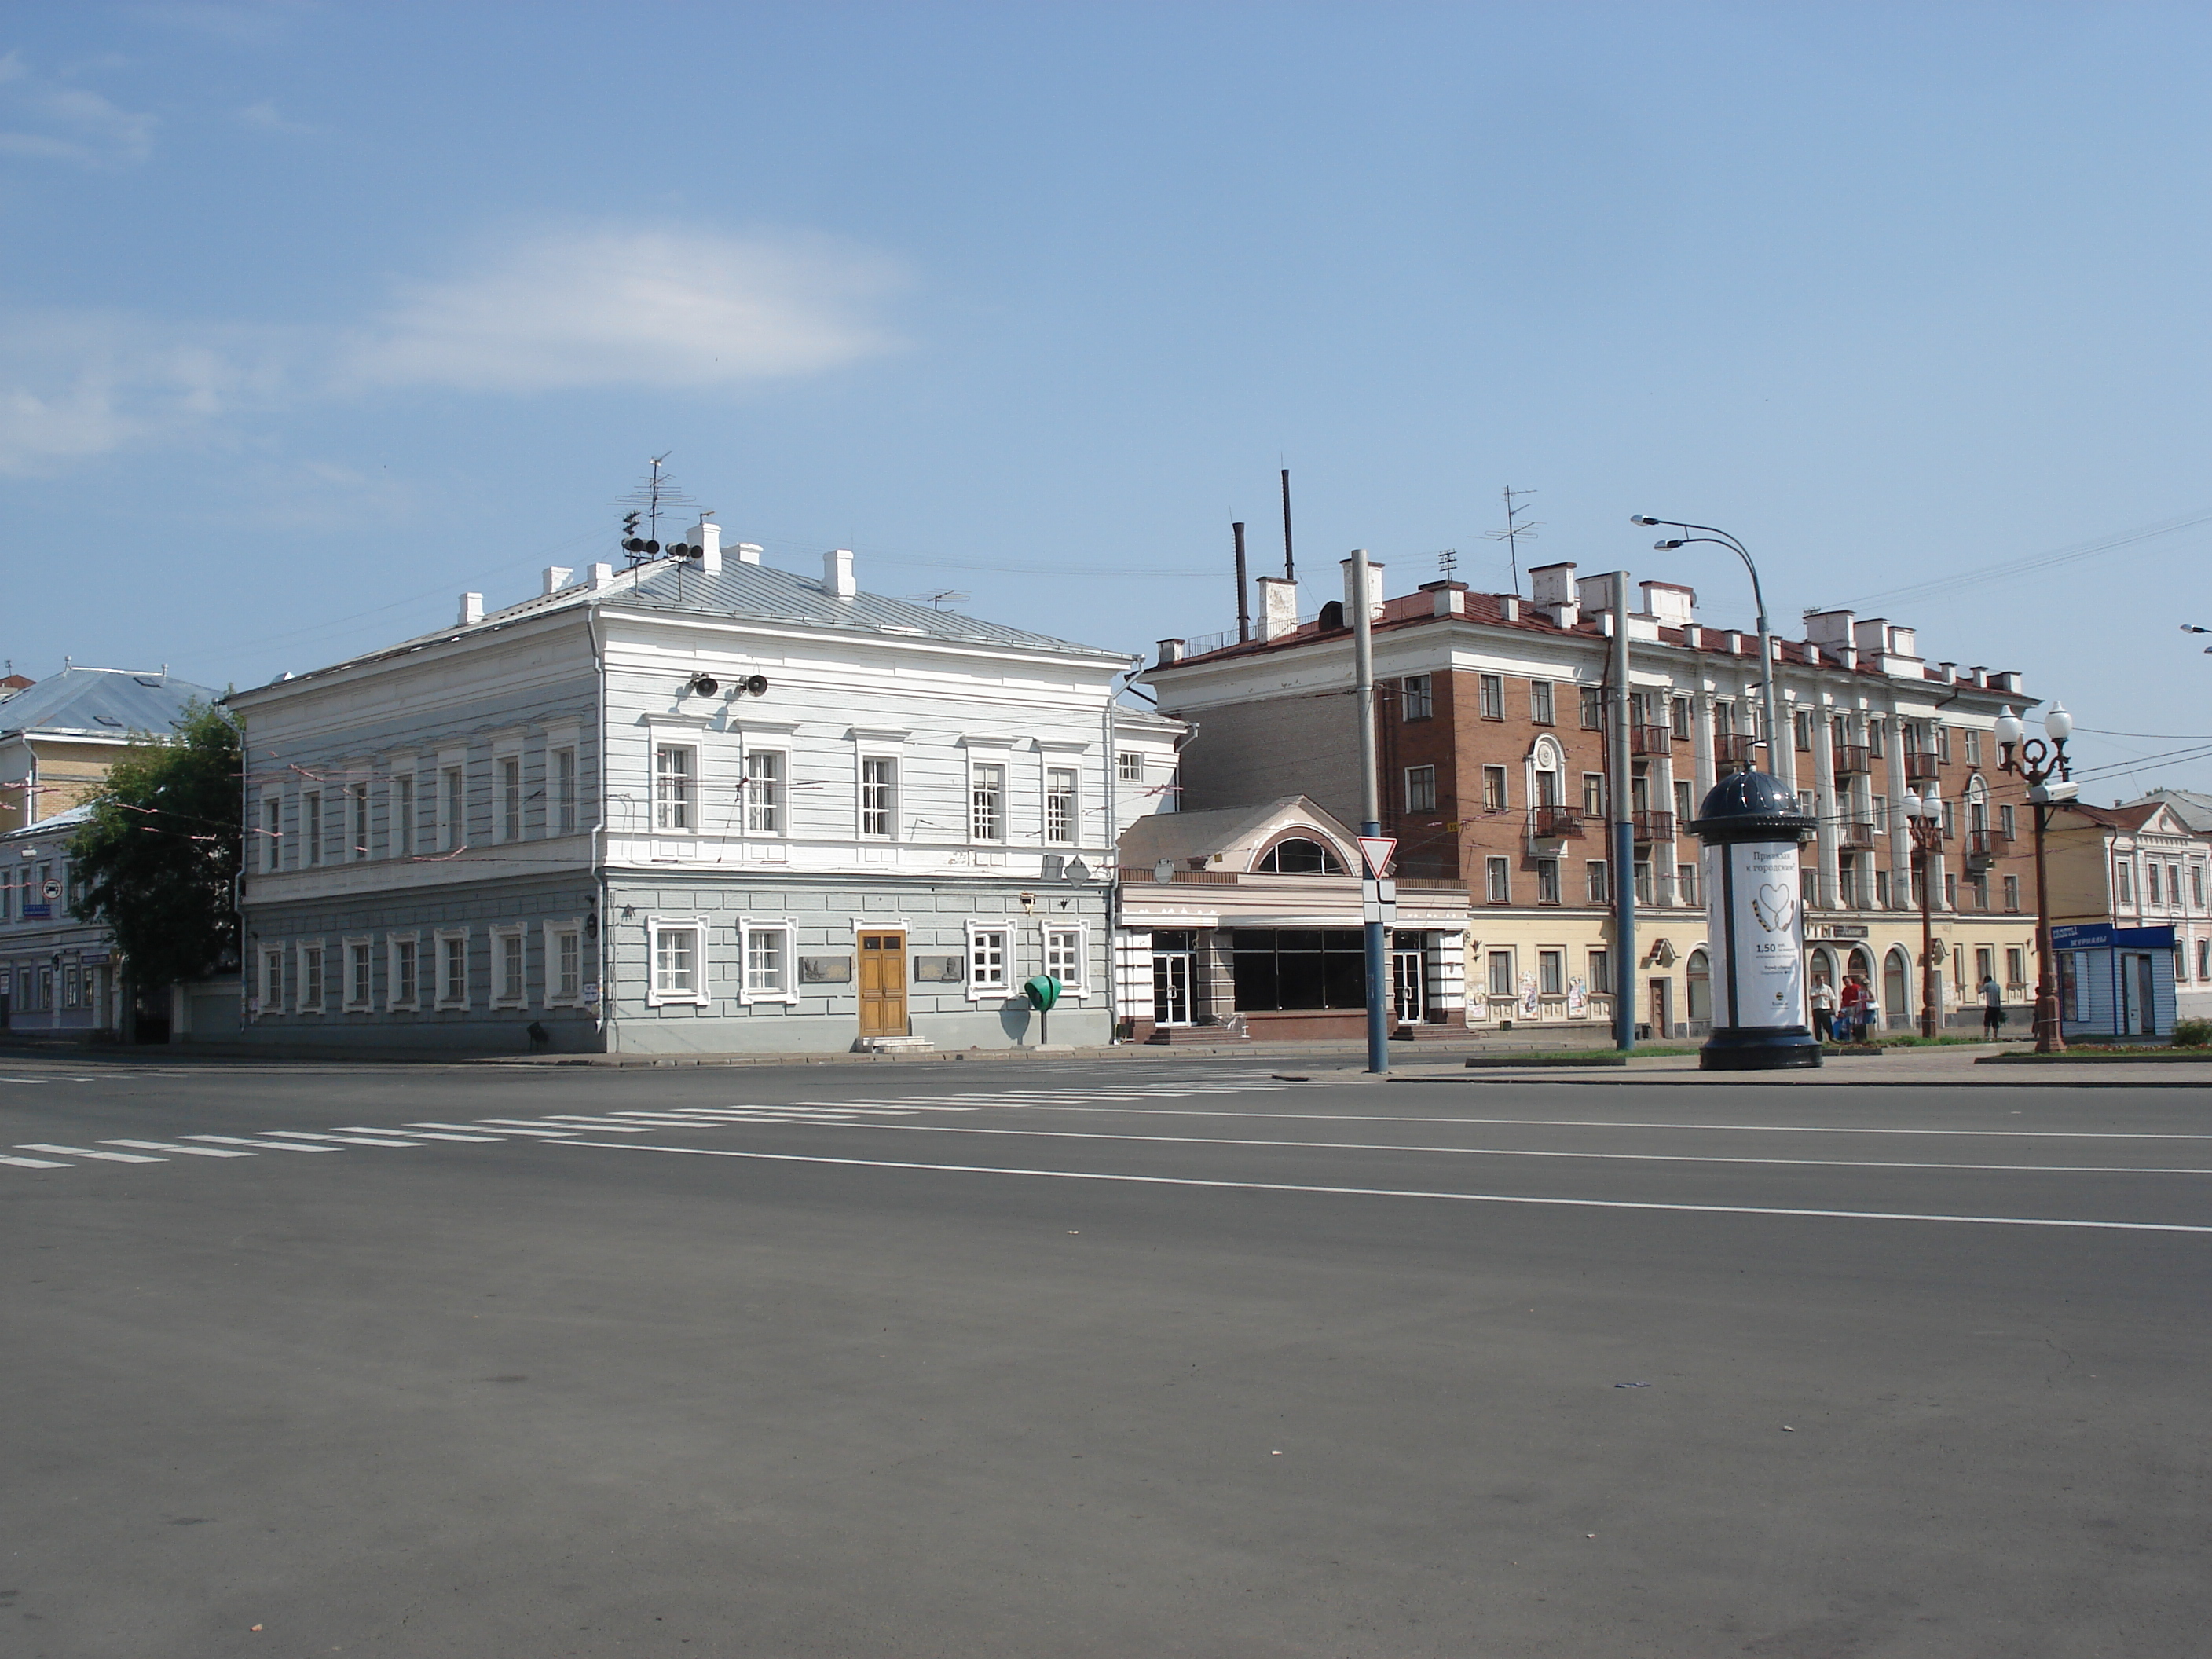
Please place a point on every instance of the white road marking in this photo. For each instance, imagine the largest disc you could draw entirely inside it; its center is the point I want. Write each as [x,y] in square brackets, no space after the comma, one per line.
[414,1135]
[1393,1192]
[348,1140]
[1519,1152]
[264,1145]
[87,1151]
[34,1163]
[505,1125]
[162,1146]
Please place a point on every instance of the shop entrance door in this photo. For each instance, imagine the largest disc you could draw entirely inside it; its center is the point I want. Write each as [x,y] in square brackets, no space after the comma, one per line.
[1409,987]
[1662,992]
[883,985]
[1171,987]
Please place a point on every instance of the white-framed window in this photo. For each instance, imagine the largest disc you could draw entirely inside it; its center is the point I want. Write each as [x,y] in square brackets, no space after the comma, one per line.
[402,832]
[677,948]
[509,775]
[312,988]
[452,967]
[272,832]
[989,960]
[403,985]
[879,796]
[1490,689]
[564,965]
[311,824]
[1502,982]
[356,821]
[771,950]
[1418,697]
[1066,954]
[1060,819]
[1129,766]
[764,800]
[360,976]
[1541,703]
[510,983]
[271,1000]
[1421,789]
[1494,797]
[1552,973]
[453,809]
[564,805]
[675,780]
[986,802]
[2122,873]
[1499,880]
[1595,883]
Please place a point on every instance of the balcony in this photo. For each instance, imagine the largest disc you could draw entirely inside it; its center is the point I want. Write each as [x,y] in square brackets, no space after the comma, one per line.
[1920,764]
[1986,846]
[1554,823]
[1734,748]
[1649,740]
[1855,836]
[1852,760]
[1652,825]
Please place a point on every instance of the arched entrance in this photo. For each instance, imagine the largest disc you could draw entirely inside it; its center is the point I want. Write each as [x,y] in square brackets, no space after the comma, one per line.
[1897,988]
[1698,977]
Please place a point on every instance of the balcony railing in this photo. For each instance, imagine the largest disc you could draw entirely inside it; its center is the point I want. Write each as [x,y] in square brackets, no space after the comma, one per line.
[1851,759]
[1653,826]
[1649,740]
[1734,748]
[1920,763]
[1987,844]
[1855,835]
[1554,823]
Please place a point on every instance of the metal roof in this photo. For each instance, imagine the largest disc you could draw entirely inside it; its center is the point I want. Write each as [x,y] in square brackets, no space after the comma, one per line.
[102,701]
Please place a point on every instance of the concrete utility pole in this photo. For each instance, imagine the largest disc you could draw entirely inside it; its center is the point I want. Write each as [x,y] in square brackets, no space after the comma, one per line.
[1623,829]
[1371,811]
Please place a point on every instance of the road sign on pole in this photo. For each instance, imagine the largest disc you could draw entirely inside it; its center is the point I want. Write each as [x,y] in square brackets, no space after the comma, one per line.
[1379,900]
[1377,850]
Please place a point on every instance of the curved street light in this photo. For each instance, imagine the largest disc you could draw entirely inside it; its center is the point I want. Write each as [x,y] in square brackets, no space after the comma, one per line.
[1771,708]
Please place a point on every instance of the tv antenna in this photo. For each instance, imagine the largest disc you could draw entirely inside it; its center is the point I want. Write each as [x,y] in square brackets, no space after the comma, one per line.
[1448,562]
[938,600]
[657,495]
[1516,530]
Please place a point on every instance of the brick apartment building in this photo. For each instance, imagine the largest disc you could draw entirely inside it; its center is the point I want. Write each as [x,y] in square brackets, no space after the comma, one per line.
[1491,721]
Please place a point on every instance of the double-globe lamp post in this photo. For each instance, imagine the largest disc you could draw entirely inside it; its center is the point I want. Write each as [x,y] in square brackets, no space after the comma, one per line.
[2043,769]
[1923,816]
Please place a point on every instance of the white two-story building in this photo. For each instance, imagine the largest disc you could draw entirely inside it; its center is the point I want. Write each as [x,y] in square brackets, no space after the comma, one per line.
[700,806]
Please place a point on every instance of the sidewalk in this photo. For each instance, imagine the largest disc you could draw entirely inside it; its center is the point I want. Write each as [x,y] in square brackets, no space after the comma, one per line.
[1949,1068]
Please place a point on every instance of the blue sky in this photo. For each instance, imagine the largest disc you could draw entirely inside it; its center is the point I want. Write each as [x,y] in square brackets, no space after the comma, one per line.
[314,315]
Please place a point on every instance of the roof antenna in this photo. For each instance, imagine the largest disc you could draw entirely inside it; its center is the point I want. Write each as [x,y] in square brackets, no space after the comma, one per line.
[1289,564]
[657,495]
[1515,530]
[1448,562]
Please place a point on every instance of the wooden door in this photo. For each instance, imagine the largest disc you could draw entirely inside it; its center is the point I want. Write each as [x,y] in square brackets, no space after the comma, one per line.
[883,985]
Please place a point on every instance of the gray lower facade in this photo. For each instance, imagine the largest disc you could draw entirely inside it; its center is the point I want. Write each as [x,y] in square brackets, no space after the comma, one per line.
[674,961]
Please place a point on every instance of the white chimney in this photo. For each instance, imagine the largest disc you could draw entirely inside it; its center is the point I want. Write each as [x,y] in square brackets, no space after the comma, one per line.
[602,575]
[749,553]
[838,574]
[706,537]
[1374,591]
[1278,607]
[1552,585]
[1508,607]
[556,577]
[1451,600]
[471,609]
[1675,605]
[1171,652]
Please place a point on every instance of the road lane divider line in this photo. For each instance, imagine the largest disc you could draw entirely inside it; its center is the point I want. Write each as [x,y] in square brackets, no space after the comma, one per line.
[87,1151]
[1397,1192]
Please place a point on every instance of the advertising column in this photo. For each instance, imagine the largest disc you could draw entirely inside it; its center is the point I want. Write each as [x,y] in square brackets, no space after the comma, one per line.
[1755,926]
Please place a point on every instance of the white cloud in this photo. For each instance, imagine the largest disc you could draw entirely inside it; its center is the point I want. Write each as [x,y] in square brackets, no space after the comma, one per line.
[608,308]
[267,118]
[47,121]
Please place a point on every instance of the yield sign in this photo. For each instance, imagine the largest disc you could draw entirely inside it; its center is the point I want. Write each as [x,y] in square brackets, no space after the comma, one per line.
[1377,850]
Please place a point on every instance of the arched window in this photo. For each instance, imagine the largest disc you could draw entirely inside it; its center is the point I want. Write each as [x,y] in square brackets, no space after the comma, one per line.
[1897,987]
[1295,855]
[1699,972]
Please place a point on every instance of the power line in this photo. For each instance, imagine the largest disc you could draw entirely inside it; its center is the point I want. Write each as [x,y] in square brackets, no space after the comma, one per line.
[2045,560]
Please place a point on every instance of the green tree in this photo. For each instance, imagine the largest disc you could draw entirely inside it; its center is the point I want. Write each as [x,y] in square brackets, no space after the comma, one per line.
[158,861]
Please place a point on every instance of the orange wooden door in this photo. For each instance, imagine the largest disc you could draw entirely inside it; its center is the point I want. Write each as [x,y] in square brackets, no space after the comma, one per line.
[883,985]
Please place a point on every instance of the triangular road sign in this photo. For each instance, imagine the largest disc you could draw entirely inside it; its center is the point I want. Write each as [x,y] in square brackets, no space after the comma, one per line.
[1377,850]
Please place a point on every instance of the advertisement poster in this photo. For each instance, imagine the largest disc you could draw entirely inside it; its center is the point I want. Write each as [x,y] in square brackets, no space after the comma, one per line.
[1751,896]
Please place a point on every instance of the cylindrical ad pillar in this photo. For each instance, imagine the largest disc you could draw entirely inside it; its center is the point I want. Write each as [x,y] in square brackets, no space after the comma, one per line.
[1755,926]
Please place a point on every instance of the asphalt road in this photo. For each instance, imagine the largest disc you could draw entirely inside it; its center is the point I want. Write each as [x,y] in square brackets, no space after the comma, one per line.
[1114,1359]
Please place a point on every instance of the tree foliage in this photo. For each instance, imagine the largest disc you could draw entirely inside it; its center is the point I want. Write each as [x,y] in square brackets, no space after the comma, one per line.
[158,861]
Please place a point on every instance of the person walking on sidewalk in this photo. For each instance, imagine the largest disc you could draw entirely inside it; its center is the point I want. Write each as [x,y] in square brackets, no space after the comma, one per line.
[1854,1008]
[1823,999]
[1993,1013]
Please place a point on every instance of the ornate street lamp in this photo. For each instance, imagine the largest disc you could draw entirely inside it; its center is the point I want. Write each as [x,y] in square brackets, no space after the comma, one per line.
[1924,814]
[2037,764]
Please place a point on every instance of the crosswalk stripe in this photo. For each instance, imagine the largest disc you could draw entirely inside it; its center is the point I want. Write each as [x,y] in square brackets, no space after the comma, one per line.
[163,1146]
[32,1162]
[87,1151]
[415,1135]
[348,1140]
[262,1146]
[526,1126]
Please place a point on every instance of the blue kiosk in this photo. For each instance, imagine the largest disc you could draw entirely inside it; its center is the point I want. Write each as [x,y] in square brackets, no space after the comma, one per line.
[2114,982]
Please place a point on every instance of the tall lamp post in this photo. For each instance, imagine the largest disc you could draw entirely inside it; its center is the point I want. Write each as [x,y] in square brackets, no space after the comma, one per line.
[2037,765]
[1721,539]
[1924,814]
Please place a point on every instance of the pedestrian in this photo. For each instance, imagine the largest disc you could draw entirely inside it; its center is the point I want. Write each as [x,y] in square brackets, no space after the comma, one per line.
[1993,1013]
[1854,1008]
[1824,1009]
